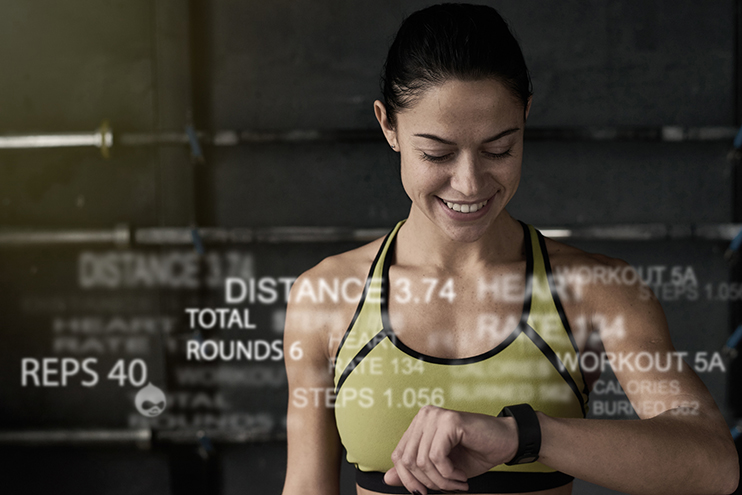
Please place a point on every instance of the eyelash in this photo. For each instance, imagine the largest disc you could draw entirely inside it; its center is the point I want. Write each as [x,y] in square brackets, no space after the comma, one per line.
[438,159]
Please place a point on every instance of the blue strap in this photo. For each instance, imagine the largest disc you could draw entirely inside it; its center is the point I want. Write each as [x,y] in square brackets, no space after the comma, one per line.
[735,338]
[736,242]
[197,242]
[205,442]
[195,145]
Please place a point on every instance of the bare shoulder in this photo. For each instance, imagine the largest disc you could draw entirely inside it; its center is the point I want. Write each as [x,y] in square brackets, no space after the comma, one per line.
[324,298]
[612,296]
[565,256]
[354,263]
[601,283]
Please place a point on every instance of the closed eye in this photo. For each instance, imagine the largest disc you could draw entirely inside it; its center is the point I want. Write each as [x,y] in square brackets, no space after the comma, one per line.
[447,156]
[434,158]
[497,156]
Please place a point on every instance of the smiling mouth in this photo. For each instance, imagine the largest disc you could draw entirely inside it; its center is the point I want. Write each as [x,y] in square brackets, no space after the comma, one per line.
[465,207]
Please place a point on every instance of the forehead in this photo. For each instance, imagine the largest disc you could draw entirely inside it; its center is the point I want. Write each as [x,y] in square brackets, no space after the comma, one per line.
[463,108]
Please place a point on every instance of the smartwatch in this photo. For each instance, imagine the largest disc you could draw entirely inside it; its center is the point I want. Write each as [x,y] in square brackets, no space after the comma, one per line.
[529,433]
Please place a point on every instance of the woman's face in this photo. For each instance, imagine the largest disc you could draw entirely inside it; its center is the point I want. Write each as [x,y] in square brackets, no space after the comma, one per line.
[461,146]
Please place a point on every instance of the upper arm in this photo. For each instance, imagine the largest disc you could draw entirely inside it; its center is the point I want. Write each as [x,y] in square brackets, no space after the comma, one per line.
[635,335]
[314,447]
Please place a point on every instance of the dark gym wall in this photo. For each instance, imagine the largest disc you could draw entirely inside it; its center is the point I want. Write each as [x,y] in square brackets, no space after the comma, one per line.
[301,66]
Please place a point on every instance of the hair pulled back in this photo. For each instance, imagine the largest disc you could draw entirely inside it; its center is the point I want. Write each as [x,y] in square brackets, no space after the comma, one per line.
[451,41]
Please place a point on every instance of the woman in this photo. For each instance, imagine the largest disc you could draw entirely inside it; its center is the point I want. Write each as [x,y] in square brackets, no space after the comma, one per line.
[455,369]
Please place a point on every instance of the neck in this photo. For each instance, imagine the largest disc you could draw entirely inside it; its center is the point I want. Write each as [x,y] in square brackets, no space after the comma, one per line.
[423,243]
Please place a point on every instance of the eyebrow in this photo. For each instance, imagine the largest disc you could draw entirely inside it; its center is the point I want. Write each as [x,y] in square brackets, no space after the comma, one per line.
[488,140]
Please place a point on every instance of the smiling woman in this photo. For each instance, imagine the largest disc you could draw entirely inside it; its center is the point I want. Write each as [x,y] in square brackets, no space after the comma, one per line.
[460,166]
[435,382]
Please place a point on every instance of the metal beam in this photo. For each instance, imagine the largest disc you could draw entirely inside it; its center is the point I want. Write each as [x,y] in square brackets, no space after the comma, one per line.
[143,437]
[140,437]
[104,139]
[121,235]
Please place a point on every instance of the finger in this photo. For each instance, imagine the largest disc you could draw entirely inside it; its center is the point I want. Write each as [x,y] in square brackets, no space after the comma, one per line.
[441,454]
[434,451]
[447,476]
[392,478]
[412,484]
[424,462]
[408,460]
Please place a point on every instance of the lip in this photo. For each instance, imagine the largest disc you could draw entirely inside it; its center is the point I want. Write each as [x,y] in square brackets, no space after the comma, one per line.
[457,215]
[465,202]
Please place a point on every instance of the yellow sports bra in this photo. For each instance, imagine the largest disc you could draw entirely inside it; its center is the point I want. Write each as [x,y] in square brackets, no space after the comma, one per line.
[381,383]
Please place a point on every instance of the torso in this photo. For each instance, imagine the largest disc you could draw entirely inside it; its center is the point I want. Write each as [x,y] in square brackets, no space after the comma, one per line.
[422,300]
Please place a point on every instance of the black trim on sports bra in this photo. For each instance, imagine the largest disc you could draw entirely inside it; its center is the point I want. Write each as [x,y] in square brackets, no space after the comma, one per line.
[560,307]
[555,362]
[363,298]
[359,357]
[489,482]
[467,360]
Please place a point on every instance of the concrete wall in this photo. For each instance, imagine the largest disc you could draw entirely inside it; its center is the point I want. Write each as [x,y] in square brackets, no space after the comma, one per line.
[300,65]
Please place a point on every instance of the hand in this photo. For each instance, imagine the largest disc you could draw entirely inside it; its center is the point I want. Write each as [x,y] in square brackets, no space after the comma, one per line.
[441,449]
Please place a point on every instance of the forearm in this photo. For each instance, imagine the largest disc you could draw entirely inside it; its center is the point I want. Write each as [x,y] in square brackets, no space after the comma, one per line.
[669,453]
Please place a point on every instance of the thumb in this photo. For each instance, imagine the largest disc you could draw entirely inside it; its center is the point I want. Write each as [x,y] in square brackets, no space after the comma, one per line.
[392,478]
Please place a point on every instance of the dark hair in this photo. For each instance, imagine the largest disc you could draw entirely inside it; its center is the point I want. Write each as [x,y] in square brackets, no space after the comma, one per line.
[452,41]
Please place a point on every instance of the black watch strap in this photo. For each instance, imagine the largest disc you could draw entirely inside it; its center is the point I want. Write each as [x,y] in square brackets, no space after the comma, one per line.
[529,433]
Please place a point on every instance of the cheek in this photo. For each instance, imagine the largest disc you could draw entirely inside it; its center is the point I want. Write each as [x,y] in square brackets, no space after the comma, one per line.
[514,174]
[419,178]
[510,172]
[516,181]
[511,177]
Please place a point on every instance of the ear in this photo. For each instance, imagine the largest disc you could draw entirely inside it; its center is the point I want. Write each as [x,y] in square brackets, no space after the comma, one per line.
[528,107]
[389,132]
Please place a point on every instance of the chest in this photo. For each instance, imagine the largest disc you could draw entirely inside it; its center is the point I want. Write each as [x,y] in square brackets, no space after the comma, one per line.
[454,316]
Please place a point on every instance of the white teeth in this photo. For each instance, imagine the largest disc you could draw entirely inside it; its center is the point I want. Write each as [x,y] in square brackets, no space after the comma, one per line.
[466,208]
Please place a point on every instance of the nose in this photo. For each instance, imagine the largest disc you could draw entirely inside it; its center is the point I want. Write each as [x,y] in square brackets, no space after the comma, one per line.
[468,176]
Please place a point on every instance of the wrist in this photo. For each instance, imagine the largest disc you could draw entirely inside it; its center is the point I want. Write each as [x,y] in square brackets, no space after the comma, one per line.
[546,422]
